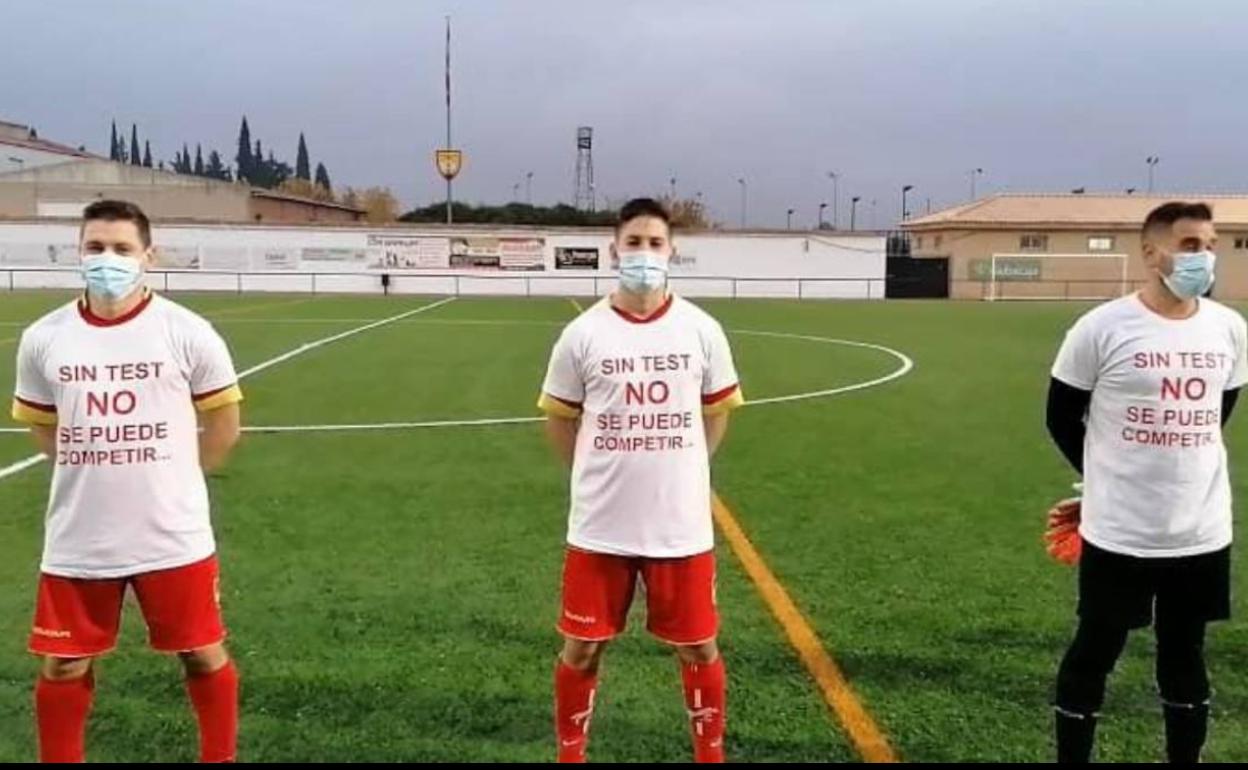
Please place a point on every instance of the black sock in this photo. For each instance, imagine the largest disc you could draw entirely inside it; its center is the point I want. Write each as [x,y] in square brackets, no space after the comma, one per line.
[1075,733]
[1186,729]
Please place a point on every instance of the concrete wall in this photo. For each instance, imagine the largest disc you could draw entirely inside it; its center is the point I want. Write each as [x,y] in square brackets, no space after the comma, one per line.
[63,189]
[290,212]
[332,259]
[210,203]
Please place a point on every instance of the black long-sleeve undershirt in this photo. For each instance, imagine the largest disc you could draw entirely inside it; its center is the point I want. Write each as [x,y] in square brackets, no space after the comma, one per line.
[1067,411]
[1065,418]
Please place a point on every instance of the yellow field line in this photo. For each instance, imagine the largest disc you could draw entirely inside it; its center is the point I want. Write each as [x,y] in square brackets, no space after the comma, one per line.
[576,305]
[869,741]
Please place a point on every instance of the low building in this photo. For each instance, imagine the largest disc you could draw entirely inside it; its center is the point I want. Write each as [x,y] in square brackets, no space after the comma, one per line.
[1064,245]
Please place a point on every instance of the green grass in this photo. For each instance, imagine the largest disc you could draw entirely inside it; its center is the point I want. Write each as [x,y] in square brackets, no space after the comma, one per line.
[391,596]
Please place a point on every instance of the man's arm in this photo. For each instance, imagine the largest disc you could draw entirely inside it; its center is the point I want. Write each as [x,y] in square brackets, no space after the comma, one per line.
[715,426]
[1065,417]
[45,438]
[219,434]
[561,433]
[34,402]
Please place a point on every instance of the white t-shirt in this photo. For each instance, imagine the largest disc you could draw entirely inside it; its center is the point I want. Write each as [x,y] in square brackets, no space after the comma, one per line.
[128,495]
[641,483]
[1155,467]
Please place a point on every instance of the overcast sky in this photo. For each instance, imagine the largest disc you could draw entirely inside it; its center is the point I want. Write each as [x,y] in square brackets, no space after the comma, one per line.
[1044,95]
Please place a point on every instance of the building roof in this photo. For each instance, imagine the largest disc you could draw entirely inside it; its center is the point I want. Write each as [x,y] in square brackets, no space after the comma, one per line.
[18,135]
[260,192]
[1013,211]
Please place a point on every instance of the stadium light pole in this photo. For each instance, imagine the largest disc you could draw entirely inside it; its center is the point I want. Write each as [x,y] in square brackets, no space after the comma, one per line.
[835,177]
[672,189]
[905,213]
[528,188]
[741,181]
[1152,161]
[975,172]
[853,211]
[788,222]
[822,206]
[515,193]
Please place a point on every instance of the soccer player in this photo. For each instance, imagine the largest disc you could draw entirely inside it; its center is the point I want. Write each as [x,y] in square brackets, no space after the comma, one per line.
[1141,390]
[637,398]
[111,387]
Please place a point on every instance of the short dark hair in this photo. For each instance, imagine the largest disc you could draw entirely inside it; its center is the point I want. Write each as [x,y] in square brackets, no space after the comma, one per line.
[643,207]
[1167,214]
[120,211]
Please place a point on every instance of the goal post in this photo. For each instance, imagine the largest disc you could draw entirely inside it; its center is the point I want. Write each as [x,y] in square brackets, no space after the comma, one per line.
[1031,276]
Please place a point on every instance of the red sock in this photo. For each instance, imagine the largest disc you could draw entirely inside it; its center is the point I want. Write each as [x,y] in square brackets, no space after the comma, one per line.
[704,697]
[61,710]
[215,698]
[574,706]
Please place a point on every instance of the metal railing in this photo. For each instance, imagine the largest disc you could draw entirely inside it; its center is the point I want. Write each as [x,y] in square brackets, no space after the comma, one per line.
[457,284]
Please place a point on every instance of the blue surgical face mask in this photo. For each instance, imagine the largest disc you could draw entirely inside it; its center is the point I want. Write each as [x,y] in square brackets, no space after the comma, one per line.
[642,272]
[111,276]
[1192,275]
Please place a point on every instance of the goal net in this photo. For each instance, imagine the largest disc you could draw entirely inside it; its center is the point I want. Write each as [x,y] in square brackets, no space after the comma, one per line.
[1053,276]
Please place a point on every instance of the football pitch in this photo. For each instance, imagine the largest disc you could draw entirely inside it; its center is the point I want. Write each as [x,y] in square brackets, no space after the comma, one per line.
[391,556]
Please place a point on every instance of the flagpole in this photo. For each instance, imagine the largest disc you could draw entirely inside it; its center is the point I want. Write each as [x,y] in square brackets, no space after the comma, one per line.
[448,115]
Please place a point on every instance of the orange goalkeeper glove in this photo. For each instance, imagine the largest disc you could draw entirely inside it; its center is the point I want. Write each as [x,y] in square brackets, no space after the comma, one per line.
[1061,536]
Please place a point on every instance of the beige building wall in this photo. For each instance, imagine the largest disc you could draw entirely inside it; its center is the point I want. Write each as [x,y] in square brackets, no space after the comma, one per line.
[210,203]
[968,250]
[63,189]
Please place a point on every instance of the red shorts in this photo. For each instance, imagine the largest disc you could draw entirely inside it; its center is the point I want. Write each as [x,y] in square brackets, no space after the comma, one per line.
[78,618]
[598,591]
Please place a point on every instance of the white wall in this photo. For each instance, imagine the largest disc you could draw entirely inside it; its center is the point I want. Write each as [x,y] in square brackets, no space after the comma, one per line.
[718,264]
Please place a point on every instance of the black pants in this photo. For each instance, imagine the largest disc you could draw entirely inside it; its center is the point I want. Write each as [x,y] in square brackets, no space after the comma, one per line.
[1118,593]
